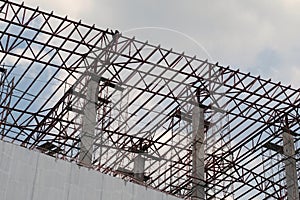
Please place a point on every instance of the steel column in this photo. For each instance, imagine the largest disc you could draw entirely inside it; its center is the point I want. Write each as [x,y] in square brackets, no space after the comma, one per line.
[198,153]
[89,122]
[139,168]
[290,167]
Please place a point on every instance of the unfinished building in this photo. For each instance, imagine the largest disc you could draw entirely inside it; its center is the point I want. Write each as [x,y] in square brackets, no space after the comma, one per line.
[148,115]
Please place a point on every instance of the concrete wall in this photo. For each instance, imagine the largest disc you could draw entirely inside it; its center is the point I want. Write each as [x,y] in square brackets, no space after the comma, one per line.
[27,175]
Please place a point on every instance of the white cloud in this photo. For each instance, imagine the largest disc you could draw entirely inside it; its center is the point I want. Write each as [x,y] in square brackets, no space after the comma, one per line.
[75,9]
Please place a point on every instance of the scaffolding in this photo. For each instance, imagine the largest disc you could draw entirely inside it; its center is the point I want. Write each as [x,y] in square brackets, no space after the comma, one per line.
[125,107]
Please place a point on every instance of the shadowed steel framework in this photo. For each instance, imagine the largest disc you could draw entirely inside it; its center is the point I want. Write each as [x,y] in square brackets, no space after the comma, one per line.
[132,110]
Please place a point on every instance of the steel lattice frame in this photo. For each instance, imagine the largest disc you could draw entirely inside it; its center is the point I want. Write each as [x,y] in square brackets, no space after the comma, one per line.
[145,103]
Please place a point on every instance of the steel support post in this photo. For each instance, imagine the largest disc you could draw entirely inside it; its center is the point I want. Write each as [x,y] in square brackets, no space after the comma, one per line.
[290,167]
[198,153]
[89,122]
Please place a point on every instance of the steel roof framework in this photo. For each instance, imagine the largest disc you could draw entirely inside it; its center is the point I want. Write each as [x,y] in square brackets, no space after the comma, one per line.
[145,103]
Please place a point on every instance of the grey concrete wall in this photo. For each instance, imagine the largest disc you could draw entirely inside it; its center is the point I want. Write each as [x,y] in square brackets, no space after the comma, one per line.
[28,175]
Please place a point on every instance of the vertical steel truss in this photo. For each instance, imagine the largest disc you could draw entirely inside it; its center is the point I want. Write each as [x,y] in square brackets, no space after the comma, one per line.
[146,96]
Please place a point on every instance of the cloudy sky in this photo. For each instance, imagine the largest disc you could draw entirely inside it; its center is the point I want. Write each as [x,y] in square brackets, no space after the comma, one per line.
[257,36]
